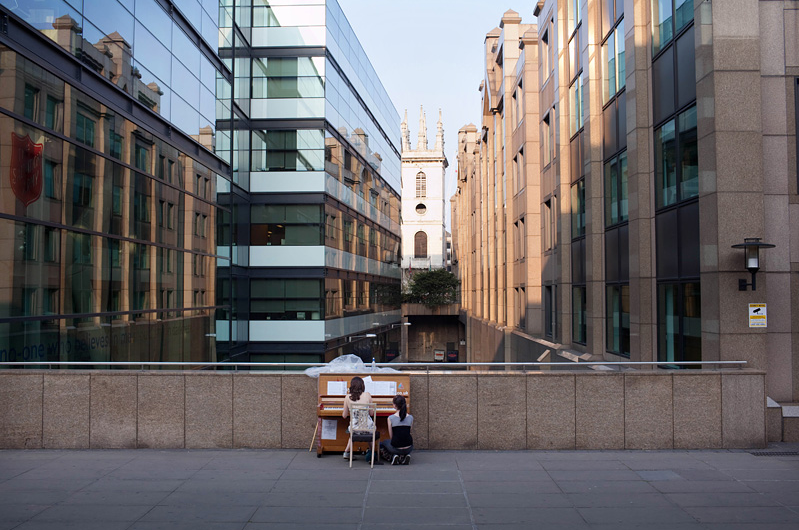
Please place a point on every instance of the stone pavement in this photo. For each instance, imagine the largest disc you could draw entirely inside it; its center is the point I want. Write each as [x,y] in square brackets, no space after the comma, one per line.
[458,490]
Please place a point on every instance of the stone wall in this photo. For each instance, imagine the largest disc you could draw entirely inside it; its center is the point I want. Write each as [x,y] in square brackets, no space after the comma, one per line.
[457,410]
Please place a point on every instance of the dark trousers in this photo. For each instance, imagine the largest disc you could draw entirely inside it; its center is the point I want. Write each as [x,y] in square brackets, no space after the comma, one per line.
[386,446]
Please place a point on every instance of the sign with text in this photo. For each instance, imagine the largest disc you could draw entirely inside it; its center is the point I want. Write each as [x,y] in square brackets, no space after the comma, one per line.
[757,315]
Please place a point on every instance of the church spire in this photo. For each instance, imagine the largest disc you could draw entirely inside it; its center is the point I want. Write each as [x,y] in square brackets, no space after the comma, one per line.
[421,144]
[439,134]
[406,134]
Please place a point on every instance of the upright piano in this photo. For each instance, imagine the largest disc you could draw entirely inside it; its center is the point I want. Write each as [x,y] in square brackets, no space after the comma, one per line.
[332,427]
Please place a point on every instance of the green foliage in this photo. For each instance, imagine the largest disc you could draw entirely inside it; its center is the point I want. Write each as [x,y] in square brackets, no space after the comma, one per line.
[432,288]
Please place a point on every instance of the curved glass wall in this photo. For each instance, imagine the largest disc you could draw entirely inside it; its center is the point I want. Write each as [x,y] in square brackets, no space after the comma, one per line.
[111,231]
[138,47]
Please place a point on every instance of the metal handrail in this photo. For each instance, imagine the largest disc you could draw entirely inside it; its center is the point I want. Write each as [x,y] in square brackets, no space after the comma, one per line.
[367,366]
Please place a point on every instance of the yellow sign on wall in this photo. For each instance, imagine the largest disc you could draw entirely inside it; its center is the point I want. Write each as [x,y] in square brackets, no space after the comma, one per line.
[757,315]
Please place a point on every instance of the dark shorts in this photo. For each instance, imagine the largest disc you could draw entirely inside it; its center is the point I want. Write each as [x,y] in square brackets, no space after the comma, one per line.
[386,444]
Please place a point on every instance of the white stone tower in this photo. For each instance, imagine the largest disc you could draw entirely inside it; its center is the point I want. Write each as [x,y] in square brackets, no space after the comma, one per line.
[424,242]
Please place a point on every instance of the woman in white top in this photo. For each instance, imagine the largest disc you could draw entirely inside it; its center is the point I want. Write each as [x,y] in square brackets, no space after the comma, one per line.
[358,394]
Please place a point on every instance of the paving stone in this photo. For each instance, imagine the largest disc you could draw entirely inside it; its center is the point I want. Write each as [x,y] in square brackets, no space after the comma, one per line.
[426,516]
[318,515]
[606,499]
[634,515]
[203,513]
[520,500]
[414,486]
[529,516]
[721,499]
[314,499]
[416,500]
[76,513]
[512,486]
[747,514]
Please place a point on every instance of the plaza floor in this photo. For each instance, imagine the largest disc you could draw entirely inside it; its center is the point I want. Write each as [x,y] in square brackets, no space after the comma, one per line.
[458,490]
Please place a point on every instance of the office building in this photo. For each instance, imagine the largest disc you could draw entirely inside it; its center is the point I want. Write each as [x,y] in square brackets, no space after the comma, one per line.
[314,266]
[111,163]
[195,180]
[666,134]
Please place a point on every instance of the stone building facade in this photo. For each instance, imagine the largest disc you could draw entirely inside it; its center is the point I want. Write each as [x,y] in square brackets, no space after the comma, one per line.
[664,134]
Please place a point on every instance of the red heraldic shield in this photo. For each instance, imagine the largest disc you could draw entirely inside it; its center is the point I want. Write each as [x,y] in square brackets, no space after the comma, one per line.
[26,168]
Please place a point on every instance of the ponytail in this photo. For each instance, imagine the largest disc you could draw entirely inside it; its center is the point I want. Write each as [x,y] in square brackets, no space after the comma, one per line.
[401,406]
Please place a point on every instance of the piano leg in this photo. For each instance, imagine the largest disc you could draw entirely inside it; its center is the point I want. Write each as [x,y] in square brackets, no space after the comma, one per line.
[316,430]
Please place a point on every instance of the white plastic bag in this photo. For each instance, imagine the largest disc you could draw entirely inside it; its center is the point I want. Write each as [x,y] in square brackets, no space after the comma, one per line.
[346,364]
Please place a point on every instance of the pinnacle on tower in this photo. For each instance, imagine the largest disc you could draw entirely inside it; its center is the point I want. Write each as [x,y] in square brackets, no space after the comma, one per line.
[439,134]
[406,134]
[421,144]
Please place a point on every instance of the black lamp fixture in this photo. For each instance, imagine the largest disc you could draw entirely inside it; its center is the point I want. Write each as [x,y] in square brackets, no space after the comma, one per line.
[751,246]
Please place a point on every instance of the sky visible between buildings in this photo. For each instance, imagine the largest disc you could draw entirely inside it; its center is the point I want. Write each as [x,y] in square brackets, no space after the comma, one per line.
[430,53]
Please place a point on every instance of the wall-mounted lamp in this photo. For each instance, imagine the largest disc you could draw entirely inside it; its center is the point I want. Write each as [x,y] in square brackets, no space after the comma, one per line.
[751,246]
[367,336]
[400,325]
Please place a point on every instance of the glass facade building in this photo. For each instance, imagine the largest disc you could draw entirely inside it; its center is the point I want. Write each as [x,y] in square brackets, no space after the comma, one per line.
[314,238]
[111,165]
[195,180]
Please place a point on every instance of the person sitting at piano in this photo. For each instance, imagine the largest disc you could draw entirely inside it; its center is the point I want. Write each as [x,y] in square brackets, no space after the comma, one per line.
[358,394]
[398,448]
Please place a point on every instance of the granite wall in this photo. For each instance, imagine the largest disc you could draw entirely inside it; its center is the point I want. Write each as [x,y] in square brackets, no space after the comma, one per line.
[453,410]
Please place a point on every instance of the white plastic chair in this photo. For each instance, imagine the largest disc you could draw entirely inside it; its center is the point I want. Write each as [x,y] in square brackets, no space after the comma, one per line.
[362,426]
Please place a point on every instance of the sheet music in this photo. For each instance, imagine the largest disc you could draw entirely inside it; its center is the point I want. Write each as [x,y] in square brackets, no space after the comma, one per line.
[382,388]
[336,388]
[329,429]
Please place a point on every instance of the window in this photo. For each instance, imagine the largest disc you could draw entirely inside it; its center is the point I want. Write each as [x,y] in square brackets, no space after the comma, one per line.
[669,17]
[116,200]
[544,54]
[290,224]
[518,171]
[84,130]
[421,185]
[578,208]
[298,150]
[679,322]
[142,161]
[141,207]
[81,248]
[140,258]
[290,299]
[54,113]
[549,310]
[115,145]
[574,14]
[618,319]
[616,209]
[421,209]
[677,140]
[549,224]
[31,104]
[577,120]
[82,190]
[52,180]
[420,245]
[613,68]
[579,325]
[113,253]
[546,139]
[518,103]
[52,245]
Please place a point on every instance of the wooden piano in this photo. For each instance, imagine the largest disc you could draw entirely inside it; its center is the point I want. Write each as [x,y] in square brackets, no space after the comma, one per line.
[332,428]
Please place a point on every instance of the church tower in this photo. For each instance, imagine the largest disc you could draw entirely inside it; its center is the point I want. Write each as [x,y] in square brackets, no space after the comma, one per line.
[424,242]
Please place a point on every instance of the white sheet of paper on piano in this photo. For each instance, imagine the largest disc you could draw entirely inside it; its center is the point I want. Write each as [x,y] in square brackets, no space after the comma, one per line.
[383,388]
[329,429]
[336,388]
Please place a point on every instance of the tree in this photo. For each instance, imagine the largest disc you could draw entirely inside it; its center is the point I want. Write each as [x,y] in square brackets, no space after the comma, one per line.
[433,288]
